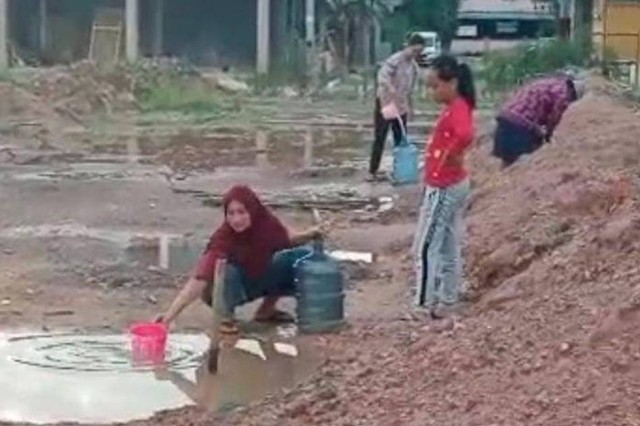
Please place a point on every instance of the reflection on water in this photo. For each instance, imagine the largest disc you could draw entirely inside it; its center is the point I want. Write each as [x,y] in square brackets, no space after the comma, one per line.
[137,158]
[79,378]
[242,377]
[262,143]
[286,149]
[308,149]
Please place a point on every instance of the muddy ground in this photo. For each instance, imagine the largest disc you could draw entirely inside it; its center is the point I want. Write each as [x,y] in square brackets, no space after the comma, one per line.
[549,338]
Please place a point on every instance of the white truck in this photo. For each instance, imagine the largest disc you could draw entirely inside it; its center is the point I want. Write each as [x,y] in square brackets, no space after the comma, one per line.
[432,45]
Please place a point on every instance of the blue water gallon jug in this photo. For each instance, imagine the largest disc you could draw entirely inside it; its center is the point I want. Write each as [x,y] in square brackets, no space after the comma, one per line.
[320,292]
[405,163]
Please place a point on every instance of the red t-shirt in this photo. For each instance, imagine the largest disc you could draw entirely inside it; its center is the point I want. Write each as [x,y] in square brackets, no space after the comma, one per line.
[452,136]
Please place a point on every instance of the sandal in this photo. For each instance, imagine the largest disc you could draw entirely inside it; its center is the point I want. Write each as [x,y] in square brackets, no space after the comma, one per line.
[377,177]
[229,328]
[277,317]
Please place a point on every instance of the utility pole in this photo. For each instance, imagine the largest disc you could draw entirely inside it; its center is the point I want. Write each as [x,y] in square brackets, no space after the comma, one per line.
[264,36]
[132,10]
[310,40]
[4,31]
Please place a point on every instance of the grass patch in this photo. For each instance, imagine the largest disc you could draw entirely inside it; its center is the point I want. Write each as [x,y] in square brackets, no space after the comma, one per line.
[507,69]
[6,76]
[174,96]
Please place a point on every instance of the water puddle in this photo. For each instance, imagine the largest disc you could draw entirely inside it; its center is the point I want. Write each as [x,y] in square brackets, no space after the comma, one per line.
[143,157]
[81,378]
[74,230]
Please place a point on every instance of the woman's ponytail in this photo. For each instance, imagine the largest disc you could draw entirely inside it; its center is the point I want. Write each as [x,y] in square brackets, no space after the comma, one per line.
[466,85]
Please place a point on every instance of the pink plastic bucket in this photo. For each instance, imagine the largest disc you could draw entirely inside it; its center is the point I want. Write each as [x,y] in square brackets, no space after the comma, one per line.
[148,343]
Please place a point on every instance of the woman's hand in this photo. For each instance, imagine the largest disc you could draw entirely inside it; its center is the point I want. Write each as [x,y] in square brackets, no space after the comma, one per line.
[310,234]
[316,232]
[321,230]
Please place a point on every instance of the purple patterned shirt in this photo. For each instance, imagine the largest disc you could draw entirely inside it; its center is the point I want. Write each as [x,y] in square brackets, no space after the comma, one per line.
[538,105]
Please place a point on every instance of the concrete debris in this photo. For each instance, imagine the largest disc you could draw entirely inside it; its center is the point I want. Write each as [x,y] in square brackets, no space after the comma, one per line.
[251,346]
[286,349]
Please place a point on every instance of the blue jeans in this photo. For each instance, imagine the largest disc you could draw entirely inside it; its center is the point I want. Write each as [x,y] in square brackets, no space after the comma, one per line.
[437,245]
[278,281]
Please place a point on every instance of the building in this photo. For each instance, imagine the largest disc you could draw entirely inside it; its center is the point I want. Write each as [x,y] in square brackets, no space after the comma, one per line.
[615,26]
[501,23]
[244,33]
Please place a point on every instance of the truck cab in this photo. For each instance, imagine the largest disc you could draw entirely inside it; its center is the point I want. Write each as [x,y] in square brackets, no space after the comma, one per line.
[432,44]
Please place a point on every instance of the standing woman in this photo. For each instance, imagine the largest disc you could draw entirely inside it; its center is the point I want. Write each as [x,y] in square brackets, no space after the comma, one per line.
[437,240]
[395,82]
[249,257]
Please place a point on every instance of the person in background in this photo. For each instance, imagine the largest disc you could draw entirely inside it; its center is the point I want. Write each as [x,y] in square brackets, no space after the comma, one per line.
[250,256]
[395,82]
[438,236]
[531,114]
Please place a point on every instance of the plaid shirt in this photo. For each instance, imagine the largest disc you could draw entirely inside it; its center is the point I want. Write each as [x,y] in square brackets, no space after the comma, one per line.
[538,105]
[396,79]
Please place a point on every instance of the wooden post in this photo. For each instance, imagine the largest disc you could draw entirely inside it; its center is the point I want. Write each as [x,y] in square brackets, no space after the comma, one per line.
[262,147]
[637,82]
[158,28]
[42,28]
[377,40]
[132,29]
[4,31]
[263,36]
[308,149]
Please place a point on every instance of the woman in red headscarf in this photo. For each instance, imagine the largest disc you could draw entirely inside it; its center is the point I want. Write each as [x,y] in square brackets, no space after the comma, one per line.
[252,254]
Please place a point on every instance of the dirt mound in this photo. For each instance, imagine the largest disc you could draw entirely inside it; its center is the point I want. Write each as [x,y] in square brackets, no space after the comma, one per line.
[82,88]
[25,115]
[200,153]
[553,340]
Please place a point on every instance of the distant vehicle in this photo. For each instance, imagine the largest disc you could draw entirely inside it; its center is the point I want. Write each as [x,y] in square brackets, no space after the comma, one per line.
[432,45]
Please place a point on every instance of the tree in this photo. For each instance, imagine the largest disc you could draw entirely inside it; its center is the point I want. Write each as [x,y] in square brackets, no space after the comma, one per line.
[440,16]
[562,12]
[349,22]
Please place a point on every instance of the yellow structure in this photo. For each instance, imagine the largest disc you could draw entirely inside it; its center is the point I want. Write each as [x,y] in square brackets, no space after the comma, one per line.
[617,28]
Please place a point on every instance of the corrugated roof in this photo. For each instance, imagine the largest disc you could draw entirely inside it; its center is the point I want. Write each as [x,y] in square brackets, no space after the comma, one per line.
[504,9]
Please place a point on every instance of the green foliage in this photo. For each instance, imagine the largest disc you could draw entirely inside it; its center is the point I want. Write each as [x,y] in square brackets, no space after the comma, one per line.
[6,76]
[347,19]
[351,10]
[506,69]
[175,87]
[173,96]
[440,16]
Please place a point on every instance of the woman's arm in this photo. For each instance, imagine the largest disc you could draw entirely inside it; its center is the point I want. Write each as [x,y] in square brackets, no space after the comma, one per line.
[304,237]
[191,291]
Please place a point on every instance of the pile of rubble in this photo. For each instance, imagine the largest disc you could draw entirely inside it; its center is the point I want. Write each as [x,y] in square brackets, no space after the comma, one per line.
[81,89]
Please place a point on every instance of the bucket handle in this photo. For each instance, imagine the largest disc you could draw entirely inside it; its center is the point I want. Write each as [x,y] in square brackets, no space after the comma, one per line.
[403,129]
[318,242]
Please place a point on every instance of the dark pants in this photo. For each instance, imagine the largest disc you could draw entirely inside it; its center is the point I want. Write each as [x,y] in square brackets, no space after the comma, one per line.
[278,281]
[514,140]
[381,129]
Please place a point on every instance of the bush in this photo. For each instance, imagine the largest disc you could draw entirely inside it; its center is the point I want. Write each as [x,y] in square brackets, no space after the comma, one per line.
[506,69]
[174,86]
[173,96]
